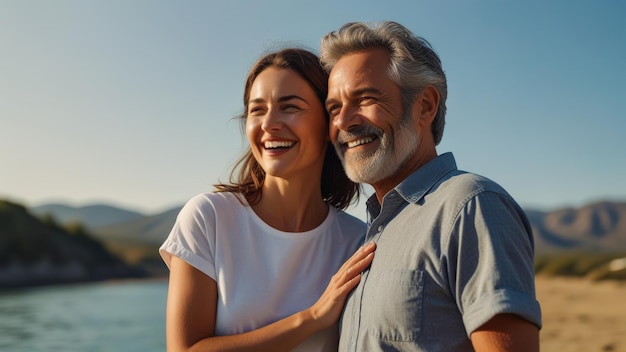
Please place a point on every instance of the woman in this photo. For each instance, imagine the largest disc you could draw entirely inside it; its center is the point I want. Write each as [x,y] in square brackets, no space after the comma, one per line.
[252,264]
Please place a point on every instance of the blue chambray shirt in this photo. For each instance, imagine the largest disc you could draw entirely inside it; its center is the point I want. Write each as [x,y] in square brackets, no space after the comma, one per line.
[454,249]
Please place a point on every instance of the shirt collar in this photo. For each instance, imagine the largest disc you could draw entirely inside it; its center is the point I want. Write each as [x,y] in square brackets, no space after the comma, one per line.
[415,187]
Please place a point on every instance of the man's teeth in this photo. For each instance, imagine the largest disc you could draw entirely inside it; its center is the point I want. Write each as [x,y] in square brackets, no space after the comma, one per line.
[359,142]
[278,144]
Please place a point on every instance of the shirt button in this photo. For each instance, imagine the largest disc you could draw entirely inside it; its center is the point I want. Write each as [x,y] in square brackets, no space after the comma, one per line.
[380,228]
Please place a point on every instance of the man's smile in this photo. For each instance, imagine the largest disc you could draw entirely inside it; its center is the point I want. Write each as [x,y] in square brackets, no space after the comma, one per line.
[361,141]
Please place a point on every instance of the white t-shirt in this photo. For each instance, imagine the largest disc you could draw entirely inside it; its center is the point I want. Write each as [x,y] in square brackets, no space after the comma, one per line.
[262,274]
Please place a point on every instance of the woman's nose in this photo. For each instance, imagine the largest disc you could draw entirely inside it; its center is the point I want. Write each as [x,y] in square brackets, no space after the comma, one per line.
[272,121]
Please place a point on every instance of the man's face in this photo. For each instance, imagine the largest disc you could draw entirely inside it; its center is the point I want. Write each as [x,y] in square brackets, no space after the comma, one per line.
[372,132]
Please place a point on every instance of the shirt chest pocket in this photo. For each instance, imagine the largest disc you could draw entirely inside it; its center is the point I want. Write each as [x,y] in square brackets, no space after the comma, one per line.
[392,304]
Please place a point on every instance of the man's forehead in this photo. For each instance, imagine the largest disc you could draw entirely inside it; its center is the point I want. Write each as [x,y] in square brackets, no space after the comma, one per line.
[358,70]
[367,60]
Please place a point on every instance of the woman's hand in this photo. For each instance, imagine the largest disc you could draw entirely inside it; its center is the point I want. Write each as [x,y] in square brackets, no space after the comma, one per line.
[327,309]
[191,311]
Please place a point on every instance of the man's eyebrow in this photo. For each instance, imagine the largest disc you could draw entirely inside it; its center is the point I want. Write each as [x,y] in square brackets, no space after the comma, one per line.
[358,93]
[365,90]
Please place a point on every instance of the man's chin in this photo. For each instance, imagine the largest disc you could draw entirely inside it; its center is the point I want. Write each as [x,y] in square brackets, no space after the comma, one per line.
[369,175]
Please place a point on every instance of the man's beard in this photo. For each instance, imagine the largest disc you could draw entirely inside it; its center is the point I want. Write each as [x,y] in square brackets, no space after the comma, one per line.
[393,151]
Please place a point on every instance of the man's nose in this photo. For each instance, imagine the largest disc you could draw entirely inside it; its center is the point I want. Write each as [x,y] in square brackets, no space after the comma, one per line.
[345,119]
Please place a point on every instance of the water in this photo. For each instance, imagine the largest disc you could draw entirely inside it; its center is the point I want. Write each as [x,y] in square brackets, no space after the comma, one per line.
[113,316]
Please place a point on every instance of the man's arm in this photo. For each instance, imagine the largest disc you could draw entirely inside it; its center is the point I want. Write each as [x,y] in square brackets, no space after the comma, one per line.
[506,332]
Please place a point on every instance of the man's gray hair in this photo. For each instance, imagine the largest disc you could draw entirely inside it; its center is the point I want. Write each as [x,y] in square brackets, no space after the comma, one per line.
[414,63]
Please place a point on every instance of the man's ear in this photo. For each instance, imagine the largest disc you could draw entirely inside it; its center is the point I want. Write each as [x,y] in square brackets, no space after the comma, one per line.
[425,106]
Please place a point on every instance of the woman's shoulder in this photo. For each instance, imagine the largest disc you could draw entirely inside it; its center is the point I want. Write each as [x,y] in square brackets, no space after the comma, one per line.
[346,220]
[213,202]
[215,198]
[348,231]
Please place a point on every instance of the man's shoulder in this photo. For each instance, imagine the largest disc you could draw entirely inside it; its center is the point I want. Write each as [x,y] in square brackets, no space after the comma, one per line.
[459,186]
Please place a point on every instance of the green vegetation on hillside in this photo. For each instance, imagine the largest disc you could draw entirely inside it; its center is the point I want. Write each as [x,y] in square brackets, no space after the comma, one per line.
[37,252]
[593,266]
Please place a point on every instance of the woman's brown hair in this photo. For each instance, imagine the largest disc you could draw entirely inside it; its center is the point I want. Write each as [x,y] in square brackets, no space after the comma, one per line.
[247,175]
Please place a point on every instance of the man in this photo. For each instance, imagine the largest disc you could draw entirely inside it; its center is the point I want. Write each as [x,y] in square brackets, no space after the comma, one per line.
[453,269]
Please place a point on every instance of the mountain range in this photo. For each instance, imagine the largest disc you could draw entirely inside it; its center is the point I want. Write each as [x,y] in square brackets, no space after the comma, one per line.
[597,227]
[93,216]
[37,251]
[56,243]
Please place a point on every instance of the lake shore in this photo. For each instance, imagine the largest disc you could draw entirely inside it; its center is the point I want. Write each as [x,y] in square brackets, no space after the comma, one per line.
[581,315]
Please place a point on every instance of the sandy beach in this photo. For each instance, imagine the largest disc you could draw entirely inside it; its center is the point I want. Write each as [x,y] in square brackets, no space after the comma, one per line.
[580,315]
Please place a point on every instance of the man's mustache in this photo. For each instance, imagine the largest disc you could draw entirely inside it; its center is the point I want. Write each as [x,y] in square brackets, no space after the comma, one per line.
[358,132]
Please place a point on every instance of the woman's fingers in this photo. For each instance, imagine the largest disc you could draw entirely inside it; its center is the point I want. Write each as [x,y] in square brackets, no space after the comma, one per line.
[328,308]
[353,267]
[359,255]
[359,266]
[352,275]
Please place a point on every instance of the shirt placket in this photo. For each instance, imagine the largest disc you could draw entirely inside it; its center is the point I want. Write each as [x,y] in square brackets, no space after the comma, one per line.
[391,205]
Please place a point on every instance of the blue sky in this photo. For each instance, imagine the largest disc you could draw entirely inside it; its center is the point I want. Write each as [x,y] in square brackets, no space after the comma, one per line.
[131,102]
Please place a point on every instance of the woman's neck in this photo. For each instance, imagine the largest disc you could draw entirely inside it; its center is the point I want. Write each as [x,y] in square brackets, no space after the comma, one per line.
[291,206]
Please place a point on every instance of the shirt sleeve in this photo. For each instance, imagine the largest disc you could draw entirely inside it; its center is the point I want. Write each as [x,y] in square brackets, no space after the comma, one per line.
[493,269]
[192,238]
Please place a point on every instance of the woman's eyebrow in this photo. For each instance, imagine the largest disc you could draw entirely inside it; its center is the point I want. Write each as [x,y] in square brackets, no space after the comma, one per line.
[290,97]
[280,100]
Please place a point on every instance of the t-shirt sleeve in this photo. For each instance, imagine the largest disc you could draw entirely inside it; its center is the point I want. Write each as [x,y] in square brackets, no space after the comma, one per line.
[492,261]
[192,238]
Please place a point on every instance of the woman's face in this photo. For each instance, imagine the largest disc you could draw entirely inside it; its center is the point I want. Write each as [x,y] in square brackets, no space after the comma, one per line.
[286,125]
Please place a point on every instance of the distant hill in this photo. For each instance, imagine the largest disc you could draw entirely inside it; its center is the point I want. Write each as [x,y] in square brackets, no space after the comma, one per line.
[151,229]
[91,216]
[35,252]
[132,236]
[596,227]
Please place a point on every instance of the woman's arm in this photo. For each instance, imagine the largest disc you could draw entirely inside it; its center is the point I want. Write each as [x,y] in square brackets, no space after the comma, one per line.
[191,311]
[191,306]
